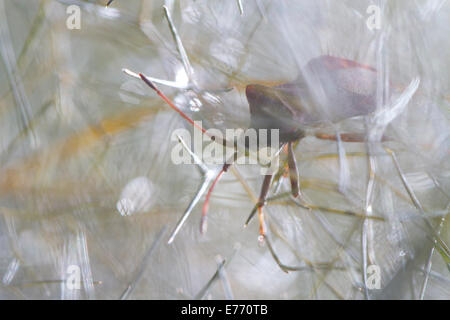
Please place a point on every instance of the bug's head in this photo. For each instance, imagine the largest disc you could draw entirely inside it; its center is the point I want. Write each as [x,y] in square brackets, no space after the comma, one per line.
[273,108]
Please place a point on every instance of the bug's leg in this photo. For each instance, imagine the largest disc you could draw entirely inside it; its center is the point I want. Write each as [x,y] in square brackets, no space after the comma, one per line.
[261,201]
[293,171]
[262,229]
[203,222]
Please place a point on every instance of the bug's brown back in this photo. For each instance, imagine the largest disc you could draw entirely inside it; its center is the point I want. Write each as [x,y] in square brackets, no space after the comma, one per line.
[329,89]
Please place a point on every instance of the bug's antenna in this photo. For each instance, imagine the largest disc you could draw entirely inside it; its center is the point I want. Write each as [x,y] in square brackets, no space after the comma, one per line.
[109,2]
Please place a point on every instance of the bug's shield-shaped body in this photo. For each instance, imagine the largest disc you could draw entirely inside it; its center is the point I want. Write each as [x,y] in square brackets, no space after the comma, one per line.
[329,89]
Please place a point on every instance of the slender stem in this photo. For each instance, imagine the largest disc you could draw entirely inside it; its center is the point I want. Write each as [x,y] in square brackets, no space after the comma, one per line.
[203,223]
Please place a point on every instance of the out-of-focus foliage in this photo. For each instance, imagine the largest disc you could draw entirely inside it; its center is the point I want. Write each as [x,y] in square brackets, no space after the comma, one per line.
[86,177]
